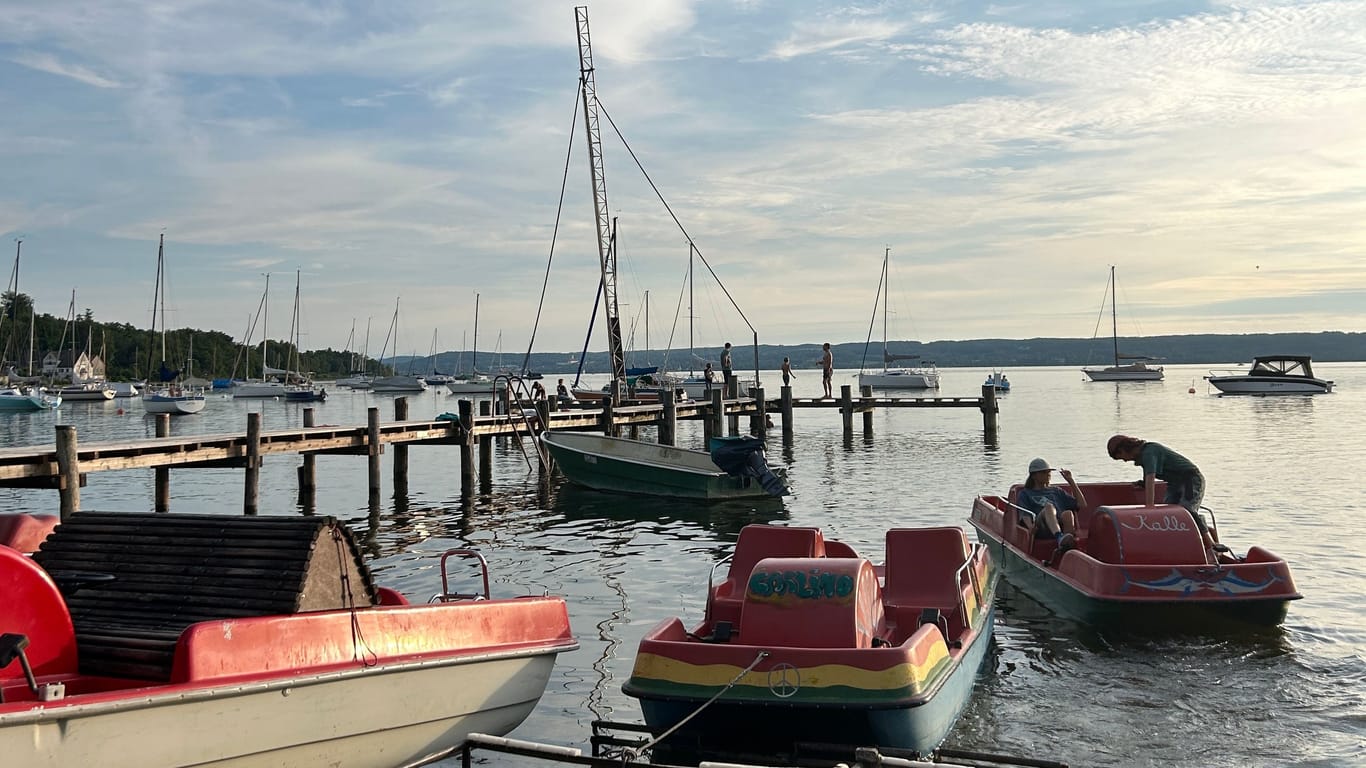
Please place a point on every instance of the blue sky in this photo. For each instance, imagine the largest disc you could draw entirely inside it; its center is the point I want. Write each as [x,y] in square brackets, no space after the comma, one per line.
[1007,154]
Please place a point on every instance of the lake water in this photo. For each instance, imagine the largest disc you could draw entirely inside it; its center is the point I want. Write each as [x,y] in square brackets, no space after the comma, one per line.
[1284,473]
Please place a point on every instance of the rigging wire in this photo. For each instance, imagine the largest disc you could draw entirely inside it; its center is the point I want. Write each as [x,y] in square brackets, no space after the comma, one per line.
[559,210]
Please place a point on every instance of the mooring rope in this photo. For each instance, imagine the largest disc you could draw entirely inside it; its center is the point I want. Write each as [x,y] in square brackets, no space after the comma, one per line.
[630,755]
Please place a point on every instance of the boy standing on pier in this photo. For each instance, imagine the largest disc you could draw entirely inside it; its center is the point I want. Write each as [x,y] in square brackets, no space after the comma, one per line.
[725,366]
[827,368]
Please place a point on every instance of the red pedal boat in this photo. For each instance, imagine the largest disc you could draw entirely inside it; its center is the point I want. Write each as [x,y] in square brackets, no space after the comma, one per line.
[1136,566]
[141,641]
[805,641]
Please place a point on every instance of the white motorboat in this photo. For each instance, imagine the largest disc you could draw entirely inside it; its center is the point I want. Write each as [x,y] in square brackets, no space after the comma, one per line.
[27,399]
[96,391]
[174,401]
[1272,375]
[398,384]
[258,389]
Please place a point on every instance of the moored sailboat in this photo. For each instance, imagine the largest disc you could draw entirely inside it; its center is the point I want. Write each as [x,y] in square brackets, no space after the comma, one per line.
[1138,369]
[168,397]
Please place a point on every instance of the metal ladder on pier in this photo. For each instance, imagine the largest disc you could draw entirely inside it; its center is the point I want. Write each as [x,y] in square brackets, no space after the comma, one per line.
[519,401]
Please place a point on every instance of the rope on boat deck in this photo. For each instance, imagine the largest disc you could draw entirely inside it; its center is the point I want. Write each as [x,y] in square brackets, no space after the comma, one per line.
[633,754]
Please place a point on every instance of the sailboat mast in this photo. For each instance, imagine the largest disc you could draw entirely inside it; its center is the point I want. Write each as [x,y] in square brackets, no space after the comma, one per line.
[159,295]
[691,350]
[1114,321]
[607,258]
[886,257]
[474,352]
[265,323]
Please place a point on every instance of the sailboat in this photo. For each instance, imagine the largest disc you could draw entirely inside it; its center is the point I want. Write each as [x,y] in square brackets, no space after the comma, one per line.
[82,388]
[270,384]
[1138,370]
[436,376]
[473,382]
[358,377]
[298,387]
[396,383]
[166,397]
[924,376]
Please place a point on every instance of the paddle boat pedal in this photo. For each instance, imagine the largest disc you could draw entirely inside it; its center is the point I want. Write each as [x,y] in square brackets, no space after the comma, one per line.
[804,636]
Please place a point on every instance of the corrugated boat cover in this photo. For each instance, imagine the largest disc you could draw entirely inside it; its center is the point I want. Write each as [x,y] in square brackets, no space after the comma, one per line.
[173,570]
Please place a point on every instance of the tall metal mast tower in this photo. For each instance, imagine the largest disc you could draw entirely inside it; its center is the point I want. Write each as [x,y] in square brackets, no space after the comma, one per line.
[607,257]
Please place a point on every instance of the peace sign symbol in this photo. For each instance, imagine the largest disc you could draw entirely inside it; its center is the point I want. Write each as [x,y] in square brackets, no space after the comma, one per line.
[784,680]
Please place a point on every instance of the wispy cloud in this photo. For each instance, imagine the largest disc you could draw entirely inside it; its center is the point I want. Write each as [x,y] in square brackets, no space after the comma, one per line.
[46,62]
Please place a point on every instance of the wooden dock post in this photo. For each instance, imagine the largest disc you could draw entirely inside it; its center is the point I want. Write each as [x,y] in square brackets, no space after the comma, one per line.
[607,426]
[718,415]
[400,451]
[733,392]
[847,408]
[485,446]
[758,421]
[308,470]
[786,406]
[373,449]
[69,471]
[867,391]
[668,422]
[162,475]
[989,411]
[252,477]
[466,410]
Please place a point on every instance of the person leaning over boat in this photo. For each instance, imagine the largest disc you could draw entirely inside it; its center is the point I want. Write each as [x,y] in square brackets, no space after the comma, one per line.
[1185,483]
[1054,510]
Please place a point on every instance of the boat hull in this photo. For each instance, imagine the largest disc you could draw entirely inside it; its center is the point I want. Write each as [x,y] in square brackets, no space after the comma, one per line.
[900,379]
[409,712]
[16,402]
[1269,385]
[823,647]
[1145,593]
[181,405]
[633,466]
[1124,373]
[919,724]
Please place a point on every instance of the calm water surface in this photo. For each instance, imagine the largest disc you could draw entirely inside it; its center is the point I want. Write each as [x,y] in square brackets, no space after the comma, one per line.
[1284,473]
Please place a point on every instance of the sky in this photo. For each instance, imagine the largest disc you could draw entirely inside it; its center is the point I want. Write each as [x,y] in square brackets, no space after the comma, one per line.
[411,155]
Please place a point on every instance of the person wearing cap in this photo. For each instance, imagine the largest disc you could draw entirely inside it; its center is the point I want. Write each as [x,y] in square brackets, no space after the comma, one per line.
[1054,510]
[1185,483]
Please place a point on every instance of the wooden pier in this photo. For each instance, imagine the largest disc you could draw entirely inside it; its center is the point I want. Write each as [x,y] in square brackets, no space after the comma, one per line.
[66,464]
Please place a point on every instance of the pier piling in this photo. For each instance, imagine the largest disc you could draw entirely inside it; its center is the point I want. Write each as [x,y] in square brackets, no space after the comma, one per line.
[786,406]
[989,410]
[485,447]
[308,470]
[162,475]
[718,414]
[867,391]
[373,449]
[847,408]
[69,471]
[466,410]
[252,477]
[400,451]
[668,424]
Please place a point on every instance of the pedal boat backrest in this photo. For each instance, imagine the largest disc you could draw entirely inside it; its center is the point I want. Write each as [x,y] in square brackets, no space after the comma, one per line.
[25,532]
[929,568]
[33,607]
[1161,535]
[757,542]
[812,602]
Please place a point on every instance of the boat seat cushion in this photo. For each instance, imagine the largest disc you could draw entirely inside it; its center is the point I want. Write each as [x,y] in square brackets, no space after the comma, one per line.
[757,542]
[25,532]
[144,578]
[1161,535]
[812,603]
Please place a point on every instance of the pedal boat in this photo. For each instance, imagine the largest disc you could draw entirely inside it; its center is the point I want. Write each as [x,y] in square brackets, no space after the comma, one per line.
[806,641]
[380,683]
[1135,566]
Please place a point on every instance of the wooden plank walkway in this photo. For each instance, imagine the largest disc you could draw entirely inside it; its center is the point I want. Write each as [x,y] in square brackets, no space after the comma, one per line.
[64,464]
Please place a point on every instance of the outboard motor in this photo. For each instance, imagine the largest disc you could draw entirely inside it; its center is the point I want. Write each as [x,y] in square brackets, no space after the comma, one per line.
[743,456]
